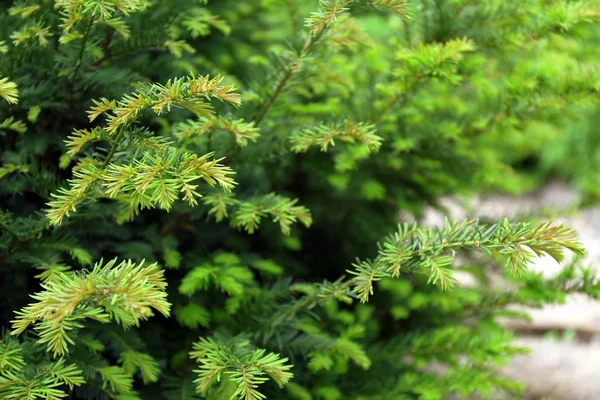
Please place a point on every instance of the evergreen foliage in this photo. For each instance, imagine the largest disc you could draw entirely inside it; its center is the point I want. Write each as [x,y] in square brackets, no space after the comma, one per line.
[233,158]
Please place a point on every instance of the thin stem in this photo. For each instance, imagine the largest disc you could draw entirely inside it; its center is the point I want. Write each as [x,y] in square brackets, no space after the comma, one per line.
[86,36]
[308,301]
[407,33]
[291,68]
[105,50]
[269,101]
[397,99]
[113,149]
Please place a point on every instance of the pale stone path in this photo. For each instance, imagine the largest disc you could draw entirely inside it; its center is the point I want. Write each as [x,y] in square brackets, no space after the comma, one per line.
[555,369]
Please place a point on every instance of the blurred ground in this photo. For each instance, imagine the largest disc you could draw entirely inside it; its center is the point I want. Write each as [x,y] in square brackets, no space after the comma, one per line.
[561,366]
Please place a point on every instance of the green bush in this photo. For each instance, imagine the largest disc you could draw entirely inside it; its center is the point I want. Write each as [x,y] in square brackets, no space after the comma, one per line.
[185,188]
[574,153]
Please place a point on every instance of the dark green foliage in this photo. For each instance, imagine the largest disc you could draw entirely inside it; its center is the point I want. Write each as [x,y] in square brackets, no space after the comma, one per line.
[185,188]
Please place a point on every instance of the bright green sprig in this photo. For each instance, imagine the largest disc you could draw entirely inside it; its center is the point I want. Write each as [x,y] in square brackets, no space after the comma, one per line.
[283,210]
[248,214]
[11,168]
[400,7]
[319,23]
[133,360]
[100,107]
[46,382]
[329,12]
[433,250]
[192,316]
[178,47]
[23,10]
[438,60]
[119,26]
[81,137]
[136,138]
[116,378]
[236,361]
[190,93]
[219,203]
[230,279]
[199,21]
[32,32]
[8,91]
[565,16]
[157,177]
[126,293]
[14,125]
[325,136]
[243,132]
[67,200]
[100,10]
[348,34]
[11,358]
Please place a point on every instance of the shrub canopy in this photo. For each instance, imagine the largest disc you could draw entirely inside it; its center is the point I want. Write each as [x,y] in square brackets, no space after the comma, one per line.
[200,199]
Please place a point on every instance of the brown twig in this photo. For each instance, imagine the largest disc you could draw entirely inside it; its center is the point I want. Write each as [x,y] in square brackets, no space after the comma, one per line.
[105,48]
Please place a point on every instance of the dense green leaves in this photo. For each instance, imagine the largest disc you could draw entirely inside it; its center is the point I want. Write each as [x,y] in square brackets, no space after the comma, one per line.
[17,382]
[126,293]
[250,151]
[157,177]
[247,369]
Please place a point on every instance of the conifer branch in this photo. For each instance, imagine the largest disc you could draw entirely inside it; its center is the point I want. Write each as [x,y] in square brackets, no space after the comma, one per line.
[273,96]
[219,202]
[314,294]
[155,179]
[319,23]
[113,148]
[14,125]
[79,62]
[563,17]
[248,214]
[400,7]
[19,380]
[8,91]
[11,357]
[230,279]
[428,61]
[283,210]
[445,96]
[236,361]
[414,249]
[133,360]
[325,135]
[66,200]
[126,293]
[81,137]
[75,10]
[188,93]
[243,132]
[35,31]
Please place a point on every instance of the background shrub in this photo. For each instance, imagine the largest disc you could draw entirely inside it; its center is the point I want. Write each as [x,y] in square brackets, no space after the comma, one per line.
[185,186]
